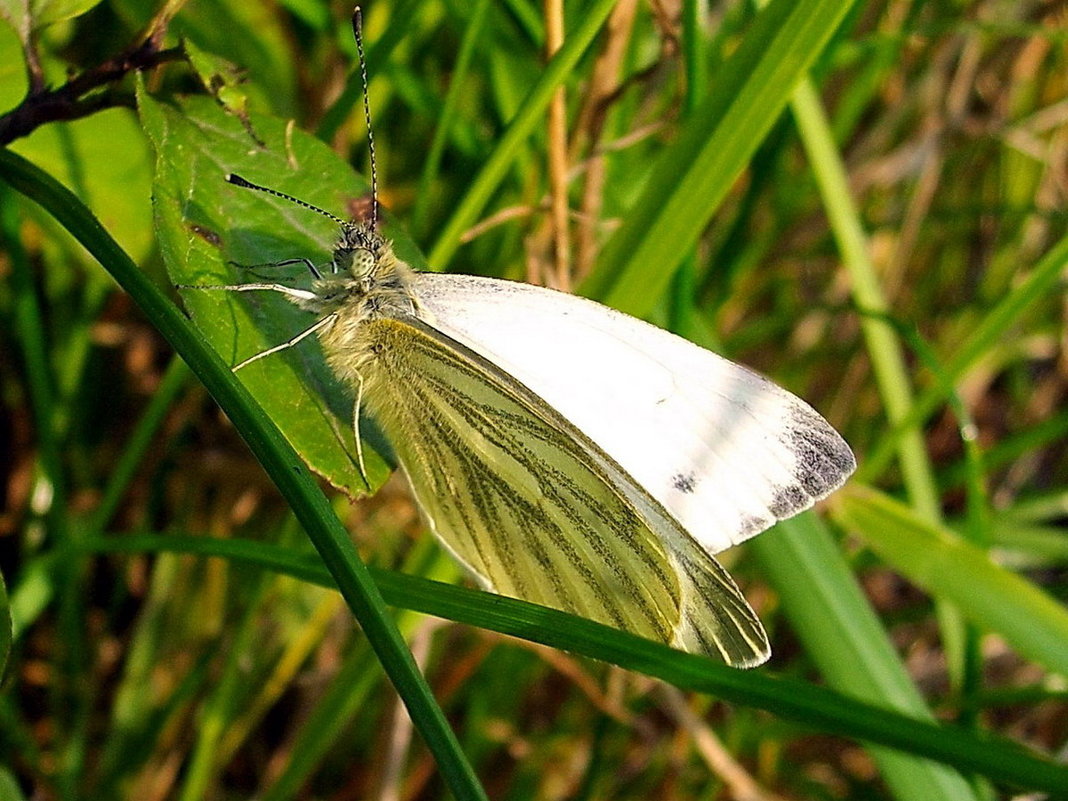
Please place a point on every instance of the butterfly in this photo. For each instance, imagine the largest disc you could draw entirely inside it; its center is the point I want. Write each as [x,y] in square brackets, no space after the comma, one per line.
[565,453]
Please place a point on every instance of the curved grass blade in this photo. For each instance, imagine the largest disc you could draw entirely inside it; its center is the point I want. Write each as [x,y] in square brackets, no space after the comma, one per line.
[693,176]
[279,460]
[819,708]
[953,569]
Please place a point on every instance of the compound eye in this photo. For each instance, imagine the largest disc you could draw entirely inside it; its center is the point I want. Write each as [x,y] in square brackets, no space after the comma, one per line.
[363,262]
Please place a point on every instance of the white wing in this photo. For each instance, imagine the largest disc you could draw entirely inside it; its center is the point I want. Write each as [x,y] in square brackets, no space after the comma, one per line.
[724,450]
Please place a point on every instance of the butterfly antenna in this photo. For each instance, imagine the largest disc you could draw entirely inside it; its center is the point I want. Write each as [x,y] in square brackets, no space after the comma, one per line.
[237,180]
[357,32]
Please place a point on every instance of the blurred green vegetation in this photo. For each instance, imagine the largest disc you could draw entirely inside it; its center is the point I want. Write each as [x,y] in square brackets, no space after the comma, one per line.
[865,201]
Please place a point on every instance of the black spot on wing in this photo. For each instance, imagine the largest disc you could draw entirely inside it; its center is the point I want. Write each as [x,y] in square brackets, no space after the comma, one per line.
[684,482]
[823,459]
[750,526]
[788,501]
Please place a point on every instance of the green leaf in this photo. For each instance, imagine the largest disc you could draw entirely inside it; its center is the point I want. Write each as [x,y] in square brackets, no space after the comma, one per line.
[950,568]
[46,12]
[13,81]
[203,223]
[105,158]
[220,79]
[9,786]
[253,36]
[36,14]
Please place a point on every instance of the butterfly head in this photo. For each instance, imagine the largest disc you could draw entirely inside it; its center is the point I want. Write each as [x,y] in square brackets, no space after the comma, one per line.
[366,281]
[361,251]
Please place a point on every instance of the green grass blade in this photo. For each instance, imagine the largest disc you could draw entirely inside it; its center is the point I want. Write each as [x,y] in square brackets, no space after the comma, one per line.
[218,708]
[887,356]
[9,786]
[849,645]
[120,476]
[692,177]
[6,629]
[853,653]
[813,706]
[845,639]
[1014,446]
[950,568]
[279,460]
[69,704]
[530,114]
[131,745]
[349,689]
[449,115]
[30,327]
[996,325]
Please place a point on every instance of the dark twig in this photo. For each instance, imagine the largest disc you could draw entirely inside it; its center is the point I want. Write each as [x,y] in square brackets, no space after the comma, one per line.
[69,102]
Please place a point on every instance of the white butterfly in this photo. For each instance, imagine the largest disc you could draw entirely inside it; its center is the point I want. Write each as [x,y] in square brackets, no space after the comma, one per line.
[565,453]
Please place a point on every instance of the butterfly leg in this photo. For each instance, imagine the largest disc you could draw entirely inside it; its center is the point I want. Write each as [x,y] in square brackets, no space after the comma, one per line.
[356,429]
[284,263]
[307,332]
[282,289]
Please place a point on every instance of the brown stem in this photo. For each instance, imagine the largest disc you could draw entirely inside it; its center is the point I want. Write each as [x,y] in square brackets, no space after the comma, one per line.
[69,102]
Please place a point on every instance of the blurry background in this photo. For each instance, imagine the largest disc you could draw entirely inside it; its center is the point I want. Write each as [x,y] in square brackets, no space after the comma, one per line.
[935,259]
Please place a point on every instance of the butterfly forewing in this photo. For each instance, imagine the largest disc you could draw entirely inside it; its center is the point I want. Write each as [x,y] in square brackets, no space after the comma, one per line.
[725,451]
[534,508]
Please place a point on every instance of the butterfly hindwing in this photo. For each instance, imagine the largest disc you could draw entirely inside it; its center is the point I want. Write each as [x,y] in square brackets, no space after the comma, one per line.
[534,508]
